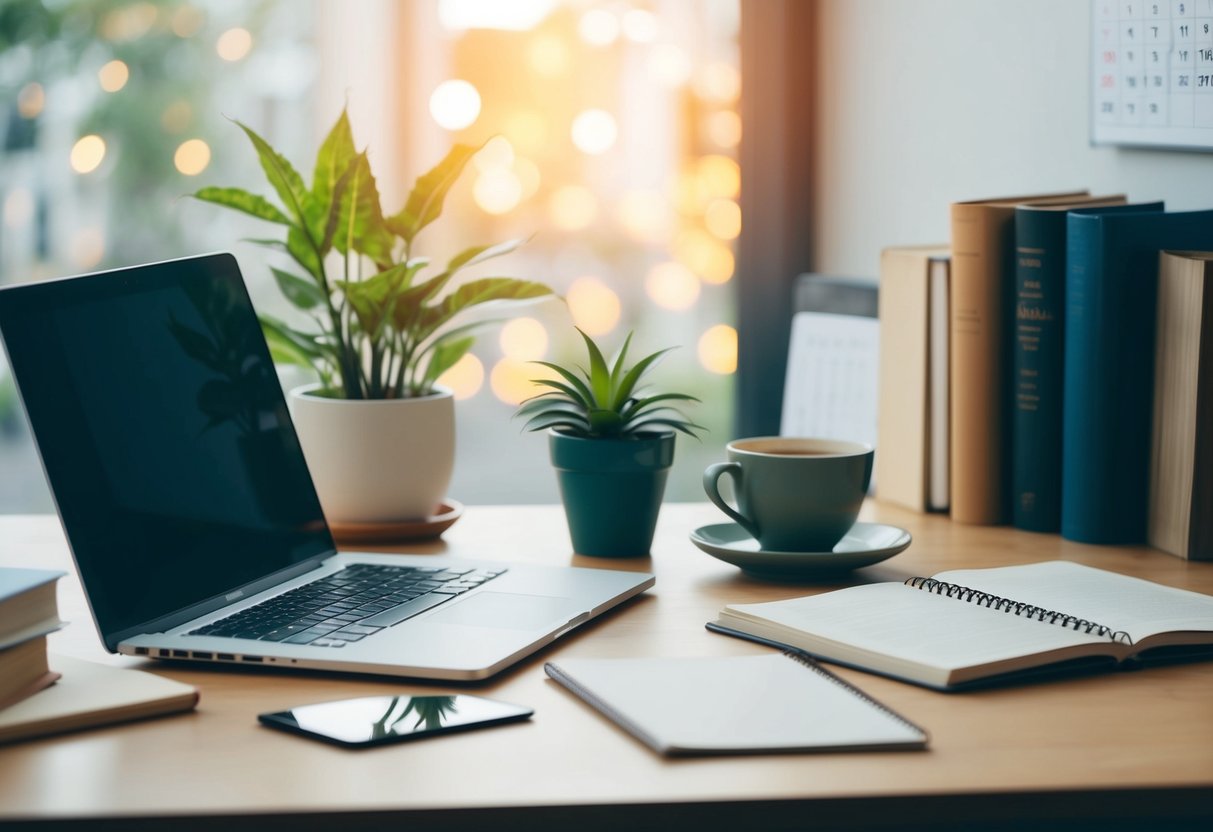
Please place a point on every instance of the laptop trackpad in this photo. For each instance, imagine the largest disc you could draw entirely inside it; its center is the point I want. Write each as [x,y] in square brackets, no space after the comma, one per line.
[508,610]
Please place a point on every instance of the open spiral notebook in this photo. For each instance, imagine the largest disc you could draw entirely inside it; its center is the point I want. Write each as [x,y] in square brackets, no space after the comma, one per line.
[975,627]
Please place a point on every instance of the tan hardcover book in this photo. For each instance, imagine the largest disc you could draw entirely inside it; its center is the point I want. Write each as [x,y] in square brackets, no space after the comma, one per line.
[908,409]
[1180,519]
[90,695]
[24,671]
[982,270]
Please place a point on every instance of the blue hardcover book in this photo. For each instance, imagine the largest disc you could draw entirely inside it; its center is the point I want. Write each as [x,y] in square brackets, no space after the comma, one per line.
[1037,346]
[1111,295]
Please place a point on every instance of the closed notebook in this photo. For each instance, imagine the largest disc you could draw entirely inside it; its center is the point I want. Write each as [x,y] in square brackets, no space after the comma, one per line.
[773,703]
[90,695]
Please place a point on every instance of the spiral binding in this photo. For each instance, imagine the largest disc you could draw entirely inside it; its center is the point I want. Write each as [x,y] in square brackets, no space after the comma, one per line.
[812,664]
[985,599]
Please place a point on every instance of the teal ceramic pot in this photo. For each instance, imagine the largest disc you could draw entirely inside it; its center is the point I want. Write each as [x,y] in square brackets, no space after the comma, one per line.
[612,490]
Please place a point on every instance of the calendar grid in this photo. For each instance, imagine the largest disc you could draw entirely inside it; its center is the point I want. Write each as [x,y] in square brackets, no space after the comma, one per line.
[1152,73]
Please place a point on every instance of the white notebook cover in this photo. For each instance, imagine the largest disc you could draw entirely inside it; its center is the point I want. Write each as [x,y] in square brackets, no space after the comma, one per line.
[741,704]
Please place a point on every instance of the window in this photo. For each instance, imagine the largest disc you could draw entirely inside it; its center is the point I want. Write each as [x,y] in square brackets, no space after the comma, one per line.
[610,132]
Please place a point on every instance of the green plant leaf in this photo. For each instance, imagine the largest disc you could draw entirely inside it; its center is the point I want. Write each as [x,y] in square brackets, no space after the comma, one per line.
[578,425]
[282,176]
[576,388]
[617,370]
[287,347]
[360,223]
[476,292]
[605,422]
[599,375]
[334,211]
[279,245]
[424,204]
[635,407]
[479,254]
[624,391]
[239,199]
[304,294]
[373,299]
[444,354]
[549,402]
[332,161]
[300,247]
[682,425]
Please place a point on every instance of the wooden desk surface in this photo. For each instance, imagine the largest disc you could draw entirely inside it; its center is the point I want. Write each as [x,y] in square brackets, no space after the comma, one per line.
[1122,747]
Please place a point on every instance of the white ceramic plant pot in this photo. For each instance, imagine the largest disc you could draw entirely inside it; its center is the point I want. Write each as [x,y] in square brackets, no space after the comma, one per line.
[377,461]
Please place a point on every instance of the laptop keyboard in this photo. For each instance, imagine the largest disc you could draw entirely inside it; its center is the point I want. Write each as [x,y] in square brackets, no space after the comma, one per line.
[349,605]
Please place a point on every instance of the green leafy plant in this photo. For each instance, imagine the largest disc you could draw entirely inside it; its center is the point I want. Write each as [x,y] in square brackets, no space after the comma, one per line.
[606,401]
[381,331]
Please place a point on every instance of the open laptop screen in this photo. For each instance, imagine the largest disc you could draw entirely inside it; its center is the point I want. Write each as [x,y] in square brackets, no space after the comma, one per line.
[164,435]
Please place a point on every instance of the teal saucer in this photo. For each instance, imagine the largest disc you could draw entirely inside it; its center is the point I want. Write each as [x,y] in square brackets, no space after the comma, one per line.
[863,545]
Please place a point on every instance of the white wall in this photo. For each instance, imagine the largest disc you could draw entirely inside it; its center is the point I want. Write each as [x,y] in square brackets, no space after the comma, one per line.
[930,101]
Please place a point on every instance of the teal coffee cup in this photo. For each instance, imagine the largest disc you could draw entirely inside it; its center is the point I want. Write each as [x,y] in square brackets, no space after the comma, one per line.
[793,494]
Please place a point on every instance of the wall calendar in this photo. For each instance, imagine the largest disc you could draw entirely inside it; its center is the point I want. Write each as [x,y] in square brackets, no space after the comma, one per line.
[1152,76]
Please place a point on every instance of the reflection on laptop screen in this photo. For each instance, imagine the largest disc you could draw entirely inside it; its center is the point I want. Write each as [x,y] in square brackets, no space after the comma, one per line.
[164,434]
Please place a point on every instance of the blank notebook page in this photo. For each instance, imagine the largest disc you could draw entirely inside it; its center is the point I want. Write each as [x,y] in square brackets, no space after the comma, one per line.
[735,704]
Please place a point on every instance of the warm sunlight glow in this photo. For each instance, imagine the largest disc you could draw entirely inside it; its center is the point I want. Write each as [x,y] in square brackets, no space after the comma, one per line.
[594,132]
[723,219]
[718,82]
[497,192]
[670,65]
[528,131]
[524,339]
[511,380]
[192,157]
[718,350]
[497,154]
[704,255]
[31,100]
[113,76]
[455,105]
[572,207]
[465,378]
[719,176]
[186,21]
[87,153]
[528,174]
[513,16]
[645,215]
[598,27]
[18,208]
[672,286]
[129,22]
[234,44]
[548,56]
[640,26]
[594,306]
[724,128]
[87,247]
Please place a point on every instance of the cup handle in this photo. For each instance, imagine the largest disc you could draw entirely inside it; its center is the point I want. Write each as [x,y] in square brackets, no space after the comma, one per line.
[711,485]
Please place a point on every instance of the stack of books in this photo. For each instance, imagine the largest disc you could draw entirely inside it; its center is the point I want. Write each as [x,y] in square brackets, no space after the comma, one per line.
[1053,368]
[36,700]
[28,612]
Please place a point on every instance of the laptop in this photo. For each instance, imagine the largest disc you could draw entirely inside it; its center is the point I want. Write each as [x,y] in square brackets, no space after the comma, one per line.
[190,512]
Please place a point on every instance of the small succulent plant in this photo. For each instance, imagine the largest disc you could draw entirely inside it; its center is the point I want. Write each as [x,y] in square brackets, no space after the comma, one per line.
[605,401]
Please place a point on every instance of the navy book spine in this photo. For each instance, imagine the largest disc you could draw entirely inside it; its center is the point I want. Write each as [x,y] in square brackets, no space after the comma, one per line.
[1111,295]
[1037,354]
